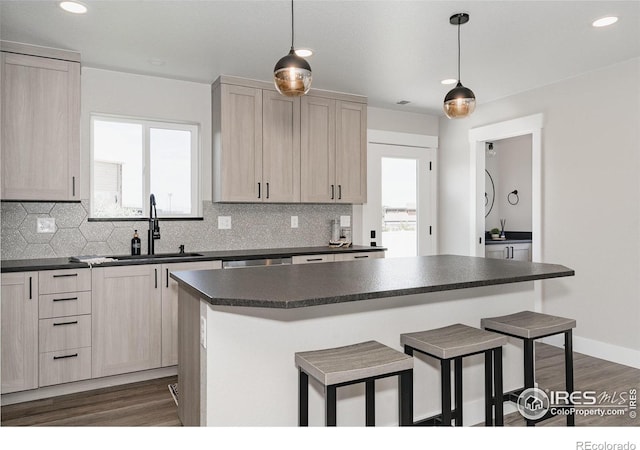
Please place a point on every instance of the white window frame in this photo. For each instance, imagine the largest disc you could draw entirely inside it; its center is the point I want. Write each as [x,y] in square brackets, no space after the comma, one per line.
[147,124]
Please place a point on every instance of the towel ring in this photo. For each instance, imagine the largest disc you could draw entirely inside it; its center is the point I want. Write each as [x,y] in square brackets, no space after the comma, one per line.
[514,193]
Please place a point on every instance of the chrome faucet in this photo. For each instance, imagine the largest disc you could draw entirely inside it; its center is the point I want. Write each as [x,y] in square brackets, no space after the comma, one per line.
[154,225]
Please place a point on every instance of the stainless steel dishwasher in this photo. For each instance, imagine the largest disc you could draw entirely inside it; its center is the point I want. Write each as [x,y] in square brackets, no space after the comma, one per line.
[238,264]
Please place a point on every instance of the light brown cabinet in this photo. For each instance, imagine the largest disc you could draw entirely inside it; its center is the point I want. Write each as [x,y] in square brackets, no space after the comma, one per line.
[517,252]
[19,328]
[333,151]
[256,145]
[40,125]
[126,319]
[170,307]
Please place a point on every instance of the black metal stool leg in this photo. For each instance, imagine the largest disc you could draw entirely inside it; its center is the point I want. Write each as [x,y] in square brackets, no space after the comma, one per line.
[406,398]
[568,368]
[303,399]
[497,382]
[445,375]
[529,375]
[370,401]
[488,389]
[330,406]
[457,371]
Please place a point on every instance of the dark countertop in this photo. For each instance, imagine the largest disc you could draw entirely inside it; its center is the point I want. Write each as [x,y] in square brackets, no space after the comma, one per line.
[23,265]
[295,286]
[507,241]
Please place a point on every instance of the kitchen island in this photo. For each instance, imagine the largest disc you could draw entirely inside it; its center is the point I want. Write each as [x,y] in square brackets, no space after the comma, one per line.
[240,370]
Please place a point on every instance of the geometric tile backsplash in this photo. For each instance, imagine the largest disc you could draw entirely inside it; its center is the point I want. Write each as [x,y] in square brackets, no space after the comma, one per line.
[252,226]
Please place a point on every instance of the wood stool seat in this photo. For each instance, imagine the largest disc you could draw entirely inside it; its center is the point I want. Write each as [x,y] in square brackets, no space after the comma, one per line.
[455,342]
[529,326]
[358,363]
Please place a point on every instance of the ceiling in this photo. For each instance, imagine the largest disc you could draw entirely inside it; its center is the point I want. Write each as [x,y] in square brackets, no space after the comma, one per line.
[386,50]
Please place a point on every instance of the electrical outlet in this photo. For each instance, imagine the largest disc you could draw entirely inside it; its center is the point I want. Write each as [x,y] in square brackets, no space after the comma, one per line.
[203,332]
[46,225]
[345,221]
[294,221]
[224,222]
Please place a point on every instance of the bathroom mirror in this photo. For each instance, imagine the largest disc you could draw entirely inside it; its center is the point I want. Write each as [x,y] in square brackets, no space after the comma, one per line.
[489,193]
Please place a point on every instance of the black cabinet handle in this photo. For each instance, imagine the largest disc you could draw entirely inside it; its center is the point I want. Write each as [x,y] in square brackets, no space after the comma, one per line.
[267,190]
[258,190]
[333,192]
[64,299]
[65,323]
[66,275]
[360,256]
[156,272]
[65,356]
[30,289]
[339,192]
[73,186]
[313,259]
[167,277]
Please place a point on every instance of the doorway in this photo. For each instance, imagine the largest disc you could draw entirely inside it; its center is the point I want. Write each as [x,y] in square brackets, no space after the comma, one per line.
[400,213]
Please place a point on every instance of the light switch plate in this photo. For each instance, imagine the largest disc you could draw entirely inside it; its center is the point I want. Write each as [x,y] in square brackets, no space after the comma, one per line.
[224,222]
[345,221]
[294,221]
[46,225]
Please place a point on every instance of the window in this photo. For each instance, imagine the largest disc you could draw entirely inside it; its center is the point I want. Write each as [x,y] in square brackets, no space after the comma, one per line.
[134,158]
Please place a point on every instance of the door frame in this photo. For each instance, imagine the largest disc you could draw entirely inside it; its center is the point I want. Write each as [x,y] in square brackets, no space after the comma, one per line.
[391,138]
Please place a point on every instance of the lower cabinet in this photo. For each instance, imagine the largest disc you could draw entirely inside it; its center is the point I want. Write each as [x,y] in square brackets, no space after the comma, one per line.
[517,252]
[357,256]
[310,259]
[19,328]
[126,319]
[170,307]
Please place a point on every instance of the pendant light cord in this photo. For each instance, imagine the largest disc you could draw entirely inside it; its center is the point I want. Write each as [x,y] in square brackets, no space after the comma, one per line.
[292,25]
[458,48]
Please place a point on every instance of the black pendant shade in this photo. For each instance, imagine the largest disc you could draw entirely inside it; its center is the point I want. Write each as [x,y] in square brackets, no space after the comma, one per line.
[459,101]
[292,73]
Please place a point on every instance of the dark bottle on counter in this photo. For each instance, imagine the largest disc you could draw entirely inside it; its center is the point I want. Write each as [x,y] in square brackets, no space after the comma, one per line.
[135,244]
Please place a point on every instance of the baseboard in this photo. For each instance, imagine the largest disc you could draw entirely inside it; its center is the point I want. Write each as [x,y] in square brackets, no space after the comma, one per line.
[86,385]
[597,349]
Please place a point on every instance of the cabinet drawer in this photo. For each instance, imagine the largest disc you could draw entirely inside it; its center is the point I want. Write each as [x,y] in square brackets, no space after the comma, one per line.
[65,366]
[65,304]
[310,259]
[66,280]
[64,333]
[357,256]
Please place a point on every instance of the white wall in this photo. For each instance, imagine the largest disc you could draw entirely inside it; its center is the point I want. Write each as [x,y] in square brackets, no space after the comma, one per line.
[590,192]
[401,121]
[105,91]
[510,169]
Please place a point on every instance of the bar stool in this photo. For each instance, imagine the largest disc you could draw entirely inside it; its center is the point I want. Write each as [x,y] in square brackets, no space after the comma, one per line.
[364,362]
[454,342]
[529,326]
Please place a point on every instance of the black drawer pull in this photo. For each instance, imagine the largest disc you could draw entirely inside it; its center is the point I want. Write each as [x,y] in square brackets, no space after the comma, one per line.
[64,299]
[167,277]
[75,355]
[314,259]
[65,323]
[361,256]
[66,275]
[30,289]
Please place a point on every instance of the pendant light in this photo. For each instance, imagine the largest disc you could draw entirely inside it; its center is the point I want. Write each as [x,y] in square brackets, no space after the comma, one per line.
[460,101]
[292,73]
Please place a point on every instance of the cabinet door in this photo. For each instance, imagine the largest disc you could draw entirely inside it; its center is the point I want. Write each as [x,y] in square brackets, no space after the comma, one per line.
[351,152]
[280,147]
[19,328]
[40,128]
[126,319]
[496,251]
[311,259]
[238,144]
[358,256]
[170,307]
[318,150]
[521,252]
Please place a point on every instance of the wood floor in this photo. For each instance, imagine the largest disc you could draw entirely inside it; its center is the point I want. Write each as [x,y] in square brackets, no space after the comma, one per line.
[149,403]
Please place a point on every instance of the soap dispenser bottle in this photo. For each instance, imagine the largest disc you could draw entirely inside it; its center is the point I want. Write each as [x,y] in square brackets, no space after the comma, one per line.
[135,244]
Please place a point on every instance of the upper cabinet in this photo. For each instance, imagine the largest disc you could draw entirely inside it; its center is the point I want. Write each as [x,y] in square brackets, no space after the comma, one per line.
[272,148]
[333,150]
[40,123]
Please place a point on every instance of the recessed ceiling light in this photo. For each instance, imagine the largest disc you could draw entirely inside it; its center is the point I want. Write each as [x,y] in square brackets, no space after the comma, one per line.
[449,81]
[605,21]
[403,102]
[304,52]
[73,7]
